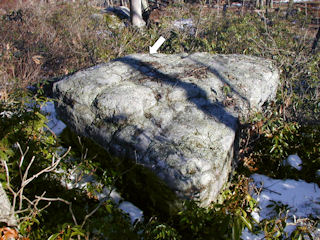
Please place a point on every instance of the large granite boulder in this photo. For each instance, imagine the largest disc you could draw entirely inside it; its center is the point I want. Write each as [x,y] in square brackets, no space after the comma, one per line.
[175,114]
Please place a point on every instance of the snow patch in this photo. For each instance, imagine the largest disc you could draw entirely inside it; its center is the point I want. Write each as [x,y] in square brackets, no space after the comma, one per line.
[236,5]
[75,178]
[247,235]
[301,198]
[293,161]
[183,24]
[135,213]
[54,123]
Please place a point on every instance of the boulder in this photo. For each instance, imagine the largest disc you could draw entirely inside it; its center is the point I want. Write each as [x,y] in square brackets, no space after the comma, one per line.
[5,209]
[174,114]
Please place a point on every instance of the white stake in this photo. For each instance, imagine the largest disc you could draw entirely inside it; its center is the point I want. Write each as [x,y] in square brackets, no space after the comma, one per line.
[156,46]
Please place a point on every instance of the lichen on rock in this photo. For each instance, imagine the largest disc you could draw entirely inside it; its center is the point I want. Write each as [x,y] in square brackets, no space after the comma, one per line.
[174,114]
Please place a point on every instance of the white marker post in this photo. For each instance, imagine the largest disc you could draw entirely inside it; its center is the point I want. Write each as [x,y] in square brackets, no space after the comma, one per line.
[156,46]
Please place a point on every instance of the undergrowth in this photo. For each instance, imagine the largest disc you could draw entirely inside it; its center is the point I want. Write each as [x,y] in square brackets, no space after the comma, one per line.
[51,40]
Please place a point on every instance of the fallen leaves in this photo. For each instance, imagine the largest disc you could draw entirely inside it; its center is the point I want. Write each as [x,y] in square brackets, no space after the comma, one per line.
[7,233]
[37,59]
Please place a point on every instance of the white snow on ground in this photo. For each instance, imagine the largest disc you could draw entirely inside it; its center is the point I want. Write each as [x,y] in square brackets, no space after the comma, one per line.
[302,198]
[293,161]
[135,213]
[236,4]
[116,197]
[54,123]
[75,178]
[185,24]
[247,235]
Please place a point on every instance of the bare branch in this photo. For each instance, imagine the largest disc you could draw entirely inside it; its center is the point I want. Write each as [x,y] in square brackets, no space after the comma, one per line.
[7,171]
[92,212]
[52,167]
[60,200]
[23,182]
[27,170]
[23,154]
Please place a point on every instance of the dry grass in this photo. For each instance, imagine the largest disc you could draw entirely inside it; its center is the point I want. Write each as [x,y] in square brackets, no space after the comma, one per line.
[48,41]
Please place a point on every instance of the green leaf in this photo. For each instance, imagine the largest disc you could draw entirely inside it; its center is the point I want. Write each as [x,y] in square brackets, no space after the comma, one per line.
[236,230]
[54,236]
[273,148]
[35,220]
[251,204]
[77,232]
[244,213]
[109,208]
[246,222]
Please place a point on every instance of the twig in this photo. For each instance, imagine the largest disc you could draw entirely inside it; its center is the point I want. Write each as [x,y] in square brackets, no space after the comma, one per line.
[40,198]
[92,212]
[23,154]
[23,183]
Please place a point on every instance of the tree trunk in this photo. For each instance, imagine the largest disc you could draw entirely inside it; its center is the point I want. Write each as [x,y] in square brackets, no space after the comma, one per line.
[289,10]
[290,4]
[259,4]
[242,7]
[316,40]
[136,13]
[144,5]
[106,3]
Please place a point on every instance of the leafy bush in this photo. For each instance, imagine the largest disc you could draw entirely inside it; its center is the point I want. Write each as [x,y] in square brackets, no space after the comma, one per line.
[28,152]
[23,123]
[279,139]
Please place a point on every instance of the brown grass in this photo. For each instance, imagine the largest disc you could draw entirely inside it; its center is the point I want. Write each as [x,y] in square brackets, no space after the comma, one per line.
[49,41]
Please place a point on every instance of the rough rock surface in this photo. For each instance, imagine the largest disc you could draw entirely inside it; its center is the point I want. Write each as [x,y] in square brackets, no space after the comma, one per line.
[5,208]
[175,114]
